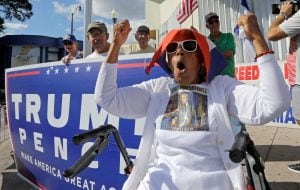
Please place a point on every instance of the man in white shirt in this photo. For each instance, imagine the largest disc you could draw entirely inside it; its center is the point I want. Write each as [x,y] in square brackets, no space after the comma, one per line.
[142,36]
[287,24]
[98,37]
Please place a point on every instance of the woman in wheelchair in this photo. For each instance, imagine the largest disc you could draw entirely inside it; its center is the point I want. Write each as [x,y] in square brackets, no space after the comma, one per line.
[191,155]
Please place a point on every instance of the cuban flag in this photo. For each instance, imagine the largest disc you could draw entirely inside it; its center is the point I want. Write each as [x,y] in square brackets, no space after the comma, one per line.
[248,48]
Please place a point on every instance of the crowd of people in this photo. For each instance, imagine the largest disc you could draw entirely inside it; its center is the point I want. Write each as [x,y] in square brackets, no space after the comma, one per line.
[98,36]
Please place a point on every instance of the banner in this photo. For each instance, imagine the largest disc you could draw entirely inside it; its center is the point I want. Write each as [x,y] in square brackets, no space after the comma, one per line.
[249,73]
[49,103]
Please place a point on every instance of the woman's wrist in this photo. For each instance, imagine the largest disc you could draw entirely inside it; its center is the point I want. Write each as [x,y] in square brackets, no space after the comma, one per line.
[283,15]
[260,44]
[263,53]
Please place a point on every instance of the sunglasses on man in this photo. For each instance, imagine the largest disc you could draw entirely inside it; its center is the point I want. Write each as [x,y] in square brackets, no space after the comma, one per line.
[214,21]
[68,43]
[187,45]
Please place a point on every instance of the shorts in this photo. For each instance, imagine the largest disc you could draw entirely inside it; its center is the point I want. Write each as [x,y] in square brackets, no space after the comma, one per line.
[295,91]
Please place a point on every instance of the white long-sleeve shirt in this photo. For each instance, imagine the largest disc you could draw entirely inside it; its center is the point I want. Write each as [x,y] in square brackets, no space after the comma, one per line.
[226,96]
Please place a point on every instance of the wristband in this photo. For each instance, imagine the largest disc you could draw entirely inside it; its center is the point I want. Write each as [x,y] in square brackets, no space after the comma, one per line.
[263,53]
[284,15]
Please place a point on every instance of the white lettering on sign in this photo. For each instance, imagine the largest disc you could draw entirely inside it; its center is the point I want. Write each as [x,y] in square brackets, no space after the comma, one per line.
[22,134]
[33,106]
[61,148]
[64,111]
[17,99]
[91,117]
[37,138]
[90,112]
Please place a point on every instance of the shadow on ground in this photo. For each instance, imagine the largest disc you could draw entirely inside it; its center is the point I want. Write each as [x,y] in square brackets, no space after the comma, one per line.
[279,152]
[12,181]
[285,186]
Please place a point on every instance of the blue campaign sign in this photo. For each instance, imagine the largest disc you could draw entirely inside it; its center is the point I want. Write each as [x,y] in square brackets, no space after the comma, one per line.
[49,103]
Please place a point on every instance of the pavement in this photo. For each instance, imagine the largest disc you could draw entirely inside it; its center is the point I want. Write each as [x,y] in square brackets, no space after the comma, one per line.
[278,146]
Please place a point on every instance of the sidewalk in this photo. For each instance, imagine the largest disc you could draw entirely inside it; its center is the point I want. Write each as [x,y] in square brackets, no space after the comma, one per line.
[279,146]
[9,178]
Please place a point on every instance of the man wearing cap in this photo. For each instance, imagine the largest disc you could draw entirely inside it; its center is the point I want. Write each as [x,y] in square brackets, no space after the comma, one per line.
[71,47]
[97,35]
[224,41]
[142,36]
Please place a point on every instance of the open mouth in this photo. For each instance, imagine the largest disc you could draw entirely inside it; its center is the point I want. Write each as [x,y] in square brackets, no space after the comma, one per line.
[180,65]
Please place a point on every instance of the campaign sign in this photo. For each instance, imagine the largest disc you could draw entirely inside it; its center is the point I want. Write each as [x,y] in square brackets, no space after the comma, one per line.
[49,103]
[250,74]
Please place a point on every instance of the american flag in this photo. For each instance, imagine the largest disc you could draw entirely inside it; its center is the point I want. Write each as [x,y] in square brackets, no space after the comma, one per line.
[185,9]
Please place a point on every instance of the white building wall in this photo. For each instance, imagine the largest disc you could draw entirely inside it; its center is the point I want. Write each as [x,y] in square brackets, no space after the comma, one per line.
[228,10]
[152,14]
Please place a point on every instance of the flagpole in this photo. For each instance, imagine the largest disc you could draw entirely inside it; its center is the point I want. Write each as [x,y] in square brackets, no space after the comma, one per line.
[87,20]
[238,10]
[192,20]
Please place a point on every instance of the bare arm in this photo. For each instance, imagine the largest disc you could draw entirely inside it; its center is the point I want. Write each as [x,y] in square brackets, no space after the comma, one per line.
[275,33]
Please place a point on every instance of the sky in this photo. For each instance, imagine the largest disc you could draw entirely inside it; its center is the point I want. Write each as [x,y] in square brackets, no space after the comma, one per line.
[53,17]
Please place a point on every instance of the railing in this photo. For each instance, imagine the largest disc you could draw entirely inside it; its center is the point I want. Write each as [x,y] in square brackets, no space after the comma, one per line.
[4,134]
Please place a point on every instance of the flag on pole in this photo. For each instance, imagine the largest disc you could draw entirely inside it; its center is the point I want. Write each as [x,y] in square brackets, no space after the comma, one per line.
[185,9]
[248,48]
[244,6]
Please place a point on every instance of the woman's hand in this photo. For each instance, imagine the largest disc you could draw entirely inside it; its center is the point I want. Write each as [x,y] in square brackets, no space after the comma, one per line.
[121,32]
[252,31]
[250,25]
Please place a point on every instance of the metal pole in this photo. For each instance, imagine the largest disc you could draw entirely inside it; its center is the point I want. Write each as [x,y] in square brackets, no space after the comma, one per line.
[87,49]
[78,8]
[72,23]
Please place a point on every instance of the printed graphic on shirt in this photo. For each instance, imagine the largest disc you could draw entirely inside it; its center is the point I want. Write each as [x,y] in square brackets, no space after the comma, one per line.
[186,109]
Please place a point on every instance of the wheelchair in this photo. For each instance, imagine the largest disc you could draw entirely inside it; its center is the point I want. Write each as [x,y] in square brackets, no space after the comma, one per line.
[242,151]
[101,134]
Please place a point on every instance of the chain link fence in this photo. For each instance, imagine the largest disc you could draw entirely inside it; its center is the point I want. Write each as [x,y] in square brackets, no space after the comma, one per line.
[4,133]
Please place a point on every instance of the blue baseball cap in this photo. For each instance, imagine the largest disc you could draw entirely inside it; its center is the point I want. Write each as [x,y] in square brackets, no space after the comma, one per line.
[69,38]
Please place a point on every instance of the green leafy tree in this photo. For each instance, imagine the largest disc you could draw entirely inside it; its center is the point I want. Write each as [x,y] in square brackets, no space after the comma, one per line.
[14,9]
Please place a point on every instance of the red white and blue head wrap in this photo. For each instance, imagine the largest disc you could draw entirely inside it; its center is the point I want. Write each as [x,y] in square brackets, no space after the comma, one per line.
[213,59]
